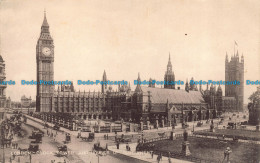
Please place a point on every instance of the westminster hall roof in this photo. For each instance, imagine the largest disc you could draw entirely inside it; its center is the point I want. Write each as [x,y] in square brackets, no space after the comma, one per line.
[174,96]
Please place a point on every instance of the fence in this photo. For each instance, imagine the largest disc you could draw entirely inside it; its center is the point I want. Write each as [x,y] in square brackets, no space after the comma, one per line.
[206,133]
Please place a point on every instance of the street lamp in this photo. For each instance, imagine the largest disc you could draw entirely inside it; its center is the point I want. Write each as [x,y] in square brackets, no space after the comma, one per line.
[142,136]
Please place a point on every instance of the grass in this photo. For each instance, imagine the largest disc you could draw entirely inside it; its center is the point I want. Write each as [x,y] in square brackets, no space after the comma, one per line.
[240,134]
[213,149]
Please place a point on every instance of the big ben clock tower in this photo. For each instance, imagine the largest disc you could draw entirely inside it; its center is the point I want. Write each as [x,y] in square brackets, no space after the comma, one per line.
[45,70]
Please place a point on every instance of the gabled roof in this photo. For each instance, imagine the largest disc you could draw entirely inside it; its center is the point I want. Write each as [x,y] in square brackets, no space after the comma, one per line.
[174,96]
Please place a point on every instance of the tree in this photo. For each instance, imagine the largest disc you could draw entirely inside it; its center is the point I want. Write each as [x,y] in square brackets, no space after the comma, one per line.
[255,97]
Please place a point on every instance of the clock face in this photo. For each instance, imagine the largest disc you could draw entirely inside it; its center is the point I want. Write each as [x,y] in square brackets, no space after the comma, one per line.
[46,51]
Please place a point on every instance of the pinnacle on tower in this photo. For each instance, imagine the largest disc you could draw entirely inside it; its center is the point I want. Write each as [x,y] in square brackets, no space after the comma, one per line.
[138,79]
[104,76]
[187,86]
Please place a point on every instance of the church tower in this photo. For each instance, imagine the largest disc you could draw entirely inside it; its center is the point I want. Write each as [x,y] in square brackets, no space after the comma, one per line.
[234,70]
[45,70]
[169,75]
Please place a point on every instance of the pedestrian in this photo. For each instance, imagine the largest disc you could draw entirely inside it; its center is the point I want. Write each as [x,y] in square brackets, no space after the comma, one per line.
[158,158]
[152,154]
[107,136]
[12,145]
[169,160]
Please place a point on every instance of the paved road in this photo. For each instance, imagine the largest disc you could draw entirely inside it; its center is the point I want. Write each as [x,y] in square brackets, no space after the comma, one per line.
[79,151]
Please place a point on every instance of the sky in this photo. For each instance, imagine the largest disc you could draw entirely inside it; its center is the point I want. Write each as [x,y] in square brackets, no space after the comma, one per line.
[130,36]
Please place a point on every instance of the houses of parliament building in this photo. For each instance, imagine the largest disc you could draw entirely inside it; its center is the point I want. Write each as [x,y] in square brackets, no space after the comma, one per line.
[166,105]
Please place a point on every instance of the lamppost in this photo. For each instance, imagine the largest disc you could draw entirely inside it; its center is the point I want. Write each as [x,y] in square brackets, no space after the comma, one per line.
[30,157]
[142,136]
[3,138]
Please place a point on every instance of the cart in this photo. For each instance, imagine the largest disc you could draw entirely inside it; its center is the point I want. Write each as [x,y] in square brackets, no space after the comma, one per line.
[34,148]
[97,147]
[67,138]
[62,150]
[90,137]
[56,127]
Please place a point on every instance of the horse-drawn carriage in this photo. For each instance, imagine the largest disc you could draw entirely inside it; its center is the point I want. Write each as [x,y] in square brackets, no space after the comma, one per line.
[123,139]
[62,150]
[37,135]
[56,127]
[67,138]
[163,134]
[199,124]
[185,125]
[34,148]
[97,147]
[90,137]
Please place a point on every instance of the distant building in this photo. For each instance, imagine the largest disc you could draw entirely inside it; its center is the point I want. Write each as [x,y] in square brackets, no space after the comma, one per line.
[26,101]
[8,103]
[2,86]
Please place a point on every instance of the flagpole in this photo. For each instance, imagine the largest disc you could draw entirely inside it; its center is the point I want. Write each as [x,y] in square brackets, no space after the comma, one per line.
[234,47]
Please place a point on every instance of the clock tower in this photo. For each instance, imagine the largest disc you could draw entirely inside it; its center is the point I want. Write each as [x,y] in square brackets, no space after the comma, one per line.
[45,69]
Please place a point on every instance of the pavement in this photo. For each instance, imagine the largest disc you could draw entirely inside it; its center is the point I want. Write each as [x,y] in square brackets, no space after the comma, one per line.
[142,155]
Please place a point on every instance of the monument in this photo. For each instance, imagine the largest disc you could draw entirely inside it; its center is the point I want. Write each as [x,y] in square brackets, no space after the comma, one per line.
[185,144]
[212,126]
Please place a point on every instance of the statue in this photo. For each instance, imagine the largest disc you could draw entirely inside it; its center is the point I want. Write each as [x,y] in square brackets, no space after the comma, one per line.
[185,144]
[185,135]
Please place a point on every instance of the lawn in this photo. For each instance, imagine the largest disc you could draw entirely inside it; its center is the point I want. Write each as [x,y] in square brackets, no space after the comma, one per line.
[213,149]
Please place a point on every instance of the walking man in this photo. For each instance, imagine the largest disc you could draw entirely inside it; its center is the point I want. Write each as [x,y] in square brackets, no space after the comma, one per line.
[158,158]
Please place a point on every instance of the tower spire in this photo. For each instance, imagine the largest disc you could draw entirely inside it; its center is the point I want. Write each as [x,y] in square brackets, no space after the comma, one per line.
[45,22]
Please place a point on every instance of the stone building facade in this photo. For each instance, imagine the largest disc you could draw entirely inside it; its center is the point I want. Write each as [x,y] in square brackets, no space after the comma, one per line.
[162,106]
[234,71]
[2,86]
